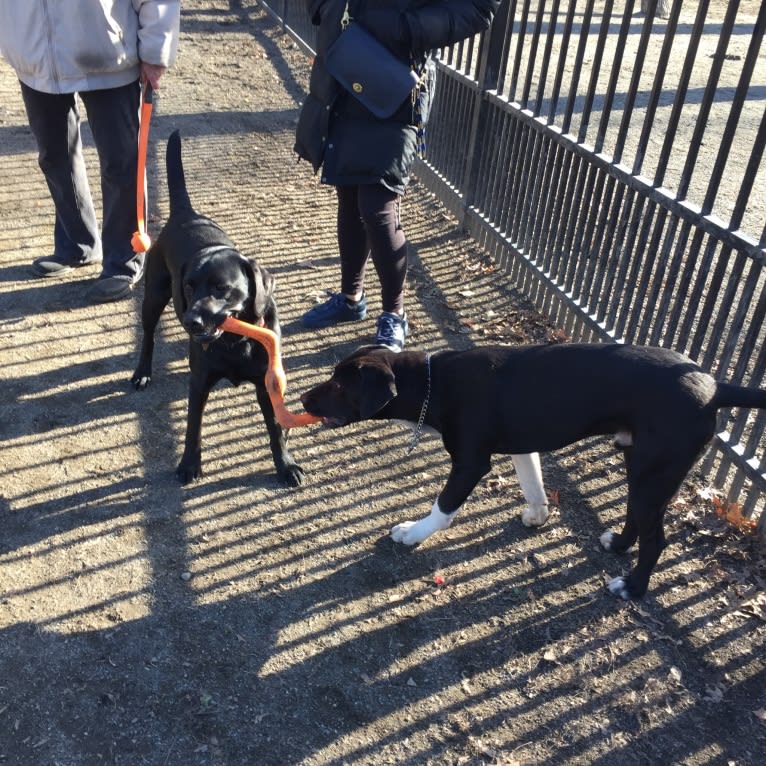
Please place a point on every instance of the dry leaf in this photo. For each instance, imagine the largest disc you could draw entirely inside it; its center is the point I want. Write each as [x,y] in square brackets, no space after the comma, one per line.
[732,512]
[754,607]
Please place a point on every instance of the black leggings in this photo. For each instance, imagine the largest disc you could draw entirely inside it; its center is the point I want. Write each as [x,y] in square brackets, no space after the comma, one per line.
[368,224]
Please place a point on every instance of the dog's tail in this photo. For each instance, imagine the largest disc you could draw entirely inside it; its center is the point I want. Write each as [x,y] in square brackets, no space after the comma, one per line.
[729,395]
[179,197]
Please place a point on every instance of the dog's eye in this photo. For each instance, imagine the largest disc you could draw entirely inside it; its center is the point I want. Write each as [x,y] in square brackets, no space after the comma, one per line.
[222,290]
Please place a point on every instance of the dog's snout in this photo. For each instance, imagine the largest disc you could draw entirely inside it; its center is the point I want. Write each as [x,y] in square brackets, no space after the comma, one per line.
[305,398]
[193,324]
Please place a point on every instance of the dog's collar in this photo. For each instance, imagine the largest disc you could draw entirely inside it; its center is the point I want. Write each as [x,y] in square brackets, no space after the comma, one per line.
[417,432]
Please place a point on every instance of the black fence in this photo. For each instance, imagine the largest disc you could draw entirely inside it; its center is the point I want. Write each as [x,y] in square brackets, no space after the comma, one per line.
[611,159]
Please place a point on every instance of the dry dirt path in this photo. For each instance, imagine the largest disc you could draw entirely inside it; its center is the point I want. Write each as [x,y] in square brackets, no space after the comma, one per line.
[238,622]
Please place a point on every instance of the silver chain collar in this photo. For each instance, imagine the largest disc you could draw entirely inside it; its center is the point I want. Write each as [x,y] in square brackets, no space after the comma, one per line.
[418,430]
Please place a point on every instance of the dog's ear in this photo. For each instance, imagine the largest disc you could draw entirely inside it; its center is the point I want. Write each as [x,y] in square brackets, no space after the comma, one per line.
[261,288]
[378,388]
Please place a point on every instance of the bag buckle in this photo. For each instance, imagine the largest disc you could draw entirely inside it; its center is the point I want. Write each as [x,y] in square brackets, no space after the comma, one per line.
[345,19]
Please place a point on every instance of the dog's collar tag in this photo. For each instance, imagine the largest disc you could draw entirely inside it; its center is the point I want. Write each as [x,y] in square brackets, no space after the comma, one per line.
[418,430]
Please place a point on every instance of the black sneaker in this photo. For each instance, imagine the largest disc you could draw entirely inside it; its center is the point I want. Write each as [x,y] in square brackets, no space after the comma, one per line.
[49,266]
[336,309]
[392,330]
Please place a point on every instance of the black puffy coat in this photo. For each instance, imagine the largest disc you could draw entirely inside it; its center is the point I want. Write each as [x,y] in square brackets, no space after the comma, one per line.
[335,132]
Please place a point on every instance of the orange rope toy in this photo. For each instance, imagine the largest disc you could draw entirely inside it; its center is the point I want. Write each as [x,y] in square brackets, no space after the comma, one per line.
[140,241]
[276,382]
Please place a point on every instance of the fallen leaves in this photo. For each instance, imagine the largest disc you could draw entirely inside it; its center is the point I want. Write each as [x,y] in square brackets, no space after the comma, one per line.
[755,606]
[727,510]
[732,512]
[519,326]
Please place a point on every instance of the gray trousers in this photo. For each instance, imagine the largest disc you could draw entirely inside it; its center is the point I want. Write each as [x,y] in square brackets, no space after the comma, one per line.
[113,119]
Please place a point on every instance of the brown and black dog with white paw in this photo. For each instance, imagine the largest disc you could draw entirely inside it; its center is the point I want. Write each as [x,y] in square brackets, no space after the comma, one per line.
[660,406]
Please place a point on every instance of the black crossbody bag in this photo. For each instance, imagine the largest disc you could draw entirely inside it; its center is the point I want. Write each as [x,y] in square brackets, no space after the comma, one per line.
[368,70]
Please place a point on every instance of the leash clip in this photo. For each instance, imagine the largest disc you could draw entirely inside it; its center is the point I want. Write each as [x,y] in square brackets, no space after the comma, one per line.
[345,19]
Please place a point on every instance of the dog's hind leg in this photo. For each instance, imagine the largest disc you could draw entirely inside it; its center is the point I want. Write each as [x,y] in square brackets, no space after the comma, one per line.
[462,479]
[531,480]
[649,492]
[619,542]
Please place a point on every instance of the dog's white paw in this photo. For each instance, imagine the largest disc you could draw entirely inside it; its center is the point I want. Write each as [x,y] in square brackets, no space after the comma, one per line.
[412,532]
[606,540]
[535,515]
[408,533]
[619,587]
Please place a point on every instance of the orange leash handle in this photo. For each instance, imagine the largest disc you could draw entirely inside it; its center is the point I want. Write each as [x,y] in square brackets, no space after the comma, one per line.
[140,240]
[276,382]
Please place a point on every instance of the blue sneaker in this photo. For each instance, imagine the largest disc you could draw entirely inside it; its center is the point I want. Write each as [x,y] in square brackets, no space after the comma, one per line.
[392,330]
[336,309]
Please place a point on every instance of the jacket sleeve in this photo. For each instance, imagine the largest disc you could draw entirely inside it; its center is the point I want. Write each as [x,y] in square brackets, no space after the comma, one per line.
[429,24]
[158,29]
[438,23]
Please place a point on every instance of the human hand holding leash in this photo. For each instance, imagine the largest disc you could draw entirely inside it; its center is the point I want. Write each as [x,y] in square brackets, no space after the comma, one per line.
[151,73]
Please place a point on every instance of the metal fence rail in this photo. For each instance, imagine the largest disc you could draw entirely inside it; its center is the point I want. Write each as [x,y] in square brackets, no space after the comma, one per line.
[611,161]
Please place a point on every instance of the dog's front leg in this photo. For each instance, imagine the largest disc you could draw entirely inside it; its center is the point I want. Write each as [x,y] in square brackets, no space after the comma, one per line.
[462,479]
[157,292]
[190,467]
[143,374]
[531,480]
[413,532]
[288,471]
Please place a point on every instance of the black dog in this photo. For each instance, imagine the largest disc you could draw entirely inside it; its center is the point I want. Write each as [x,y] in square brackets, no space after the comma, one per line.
[195,263]
[660,406]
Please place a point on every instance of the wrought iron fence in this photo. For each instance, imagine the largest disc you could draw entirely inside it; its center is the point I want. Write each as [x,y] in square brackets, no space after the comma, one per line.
[611,159]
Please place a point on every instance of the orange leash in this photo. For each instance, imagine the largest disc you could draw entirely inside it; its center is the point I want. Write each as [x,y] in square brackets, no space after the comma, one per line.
[276,382]
[140,240]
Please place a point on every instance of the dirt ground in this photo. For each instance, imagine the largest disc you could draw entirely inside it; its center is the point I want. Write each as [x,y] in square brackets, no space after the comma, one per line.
[236,621]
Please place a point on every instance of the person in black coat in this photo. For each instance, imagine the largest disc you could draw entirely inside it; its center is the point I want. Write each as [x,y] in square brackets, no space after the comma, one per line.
[369,159]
